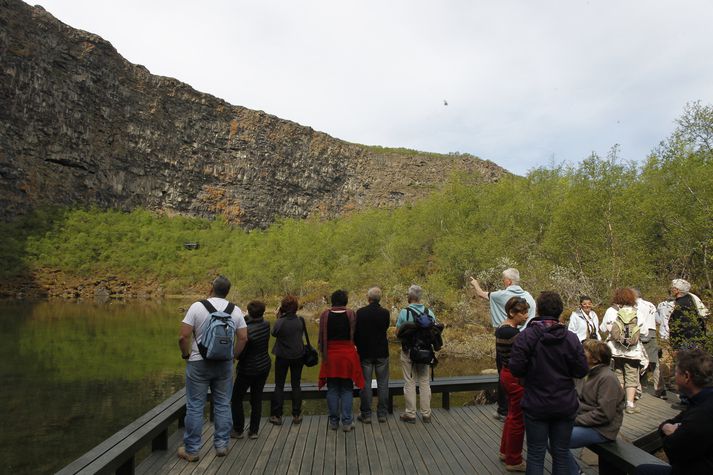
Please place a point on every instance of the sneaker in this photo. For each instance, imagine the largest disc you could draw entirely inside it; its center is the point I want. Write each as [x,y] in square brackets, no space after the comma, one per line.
[333,426]
[252,435]
[411,420]
[186,456]
[364,419]
[382,419]
[297,419]
[632,410]
[500,417]
[236,435]
[426,419]
[221,451]
[277,420]
[661,395]
[521,467]
[348,427]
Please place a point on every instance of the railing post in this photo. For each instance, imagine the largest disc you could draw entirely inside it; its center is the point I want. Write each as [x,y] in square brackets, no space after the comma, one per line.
[160,442]
[446,398]
[127,468]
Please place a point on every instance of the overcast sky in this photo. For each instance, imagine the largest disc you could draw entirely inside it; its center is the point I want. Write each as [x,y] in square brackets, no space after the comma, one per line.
[527,82]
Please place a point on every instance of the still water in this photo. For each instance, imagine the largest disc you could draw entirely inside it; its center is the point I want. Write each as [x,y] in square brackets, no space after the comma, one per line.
[72,374]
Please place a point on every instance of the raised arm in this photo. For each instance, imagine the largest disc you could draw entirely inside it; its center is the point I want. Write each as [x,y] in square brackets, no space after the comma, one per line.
[478,291]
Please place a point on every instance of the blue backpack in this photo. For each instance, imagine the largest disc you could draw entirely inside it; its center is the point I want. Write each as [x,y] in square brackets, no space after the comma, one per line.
[218,337]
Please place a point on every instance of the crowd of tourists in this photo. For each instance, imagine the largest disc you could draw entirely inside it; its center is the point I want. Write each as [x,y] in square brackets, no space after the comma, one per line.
[562,385]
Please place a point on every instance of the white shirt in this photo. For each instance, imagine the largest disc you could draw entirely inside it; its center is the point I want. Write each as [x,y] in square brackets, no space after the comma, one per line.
[579,321]
[197,315]
[635,352]
[645,315]
[663,313]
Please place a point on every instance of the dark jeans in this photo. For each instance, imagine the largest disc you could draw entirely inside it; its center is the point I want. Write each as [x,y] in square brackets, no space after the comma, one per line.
[381,367]
[340,394]
[538,432]
[502,394]
[278,397]
[255,383]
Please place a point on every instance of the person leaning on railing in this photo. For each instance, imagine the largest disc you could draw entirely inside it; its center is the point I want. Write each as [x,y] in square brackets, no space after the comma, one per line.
[601,401]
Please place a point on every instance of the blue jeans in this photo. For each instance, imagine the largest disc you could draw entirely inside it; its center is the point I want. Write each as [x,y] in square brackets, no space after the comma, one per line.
[200,375]
[582,437]
[381,366]
[340,390]
[538,432]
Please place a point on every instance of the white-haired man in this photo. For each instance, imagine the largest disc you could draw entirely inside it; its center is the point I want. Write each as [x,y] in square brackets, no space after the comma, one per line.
[498,299]
[687,321]
[372,323]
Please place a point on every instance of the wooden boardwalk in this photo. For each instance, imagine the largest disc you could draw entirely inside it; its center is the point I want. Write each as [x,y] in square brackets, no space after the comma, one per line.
[461,440]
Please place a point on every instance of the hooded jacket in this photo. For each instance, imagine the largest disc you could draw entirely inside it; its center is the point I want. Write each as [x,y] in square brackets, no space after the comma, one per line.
[548,357]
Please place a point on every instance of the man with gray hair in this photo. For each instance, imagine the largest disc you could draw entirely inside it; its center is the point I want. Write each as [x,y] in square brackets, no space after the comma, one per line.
[498,299]
[414,373]
[372,323]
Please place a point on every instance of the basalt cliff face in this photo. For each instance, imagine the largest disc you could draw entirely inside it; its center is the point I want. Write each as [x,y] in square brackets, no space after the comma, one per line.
[80,125]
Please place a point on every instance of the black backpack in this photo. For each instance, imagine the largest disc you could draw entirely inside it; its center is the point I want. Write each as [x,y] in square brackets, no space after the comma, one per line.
[421,345]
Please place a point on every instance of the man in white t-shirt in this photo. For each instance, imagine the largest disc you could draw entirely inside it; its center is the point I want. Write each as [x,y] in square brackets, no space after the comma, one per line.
[203,374]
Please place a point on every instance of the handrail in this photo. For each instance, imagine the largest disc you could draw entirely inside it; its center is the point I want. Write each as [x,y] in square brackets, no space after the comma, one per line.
[117,454]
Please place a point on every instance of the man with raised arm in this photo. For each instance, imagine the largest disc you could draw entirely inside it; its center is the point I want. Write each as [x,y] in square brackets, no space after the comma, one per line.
[208,367]
[498,299]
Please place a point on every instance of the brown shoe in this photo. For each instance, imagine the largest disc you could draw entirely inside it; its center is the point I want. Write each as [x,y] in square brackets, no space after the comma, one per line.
[426,419]
[186,456]
[521,467]
[411,420]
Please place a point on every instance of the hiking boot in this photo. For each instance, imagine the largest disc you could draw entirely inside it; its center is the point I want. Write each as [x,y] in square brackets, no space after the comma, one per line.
[632,410]
[381,419]
[252,435]
[404,418]
[221,451]
[186,456]
[277,420]
[236,435]
[348,427]
[364,419]
[521,467]
[426,419]
[297,419]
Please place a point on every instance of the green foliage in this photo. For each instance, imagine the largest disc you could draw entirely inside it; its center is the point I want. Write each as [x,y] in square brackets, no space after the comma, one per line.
[587,228]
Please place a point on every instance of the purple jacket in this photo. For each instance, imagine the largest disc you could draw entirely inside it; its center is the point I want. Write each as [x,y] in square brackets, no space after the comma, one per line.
[548,356]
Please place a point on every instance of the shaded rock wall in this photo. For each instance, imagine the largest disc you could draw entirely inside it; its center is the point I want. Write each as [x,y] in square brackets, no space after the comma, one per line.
[80,125]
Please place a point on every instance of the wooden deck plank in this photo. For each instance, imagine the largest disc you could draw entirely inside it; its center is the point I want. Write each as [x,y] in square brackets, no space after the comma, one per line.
[282,463]
[401,449]
[388,454]
[366,445]
[457,438]
[302,452]
[432,437]
[247,451]
[263,454]
[409,448]
[271,464]
[330,451]
[320,426]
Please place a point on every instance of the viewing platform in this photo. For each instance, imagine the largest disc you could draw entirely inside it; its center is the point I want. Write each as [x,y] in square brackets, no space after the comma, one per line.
[463,440]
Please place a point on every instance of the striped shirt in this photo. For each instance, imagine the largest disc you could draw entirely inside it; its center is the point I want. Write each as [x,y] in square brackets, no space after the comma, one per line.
[504,338]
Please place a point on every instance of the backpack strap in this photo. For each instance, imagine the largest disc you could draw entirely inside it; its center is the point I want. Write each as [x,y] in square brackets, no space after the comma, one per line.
[208,306]
[229,308]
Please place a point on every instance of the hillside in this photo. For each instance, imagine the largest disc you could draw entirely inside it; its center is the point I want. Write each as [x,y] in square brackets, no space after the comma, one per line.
[80,125]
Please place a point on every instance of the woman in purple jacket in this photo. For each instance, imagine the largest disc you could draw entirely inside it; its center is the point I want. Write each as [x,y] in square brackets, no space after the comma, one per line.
[548,357]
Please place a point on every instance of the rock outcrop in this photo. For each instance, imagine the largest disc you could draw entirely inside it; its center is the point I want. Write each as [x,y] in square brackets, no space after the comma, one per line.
[80,125]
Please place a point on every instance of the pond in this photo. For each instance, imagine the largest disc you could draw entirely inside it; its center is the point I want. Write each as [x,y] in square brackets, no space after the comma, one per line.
[74,373]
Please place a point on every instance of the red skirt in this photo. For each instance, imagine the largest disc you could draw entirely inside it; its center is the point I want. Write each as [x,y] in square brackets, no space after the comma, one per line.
[342,361]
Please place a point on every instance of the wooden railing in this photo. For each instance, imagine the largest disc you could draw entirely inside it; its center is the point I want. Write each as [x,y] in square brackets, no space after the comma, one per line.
[117,454]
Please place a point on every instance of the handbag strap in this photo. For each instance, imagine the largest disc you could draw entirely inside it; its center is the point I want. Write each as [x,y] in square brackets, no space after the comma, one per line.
[304,328]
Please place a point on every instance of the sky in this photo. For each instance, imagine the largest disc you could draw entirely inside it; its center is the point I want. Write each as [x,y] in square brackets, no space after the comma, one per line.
[528,83]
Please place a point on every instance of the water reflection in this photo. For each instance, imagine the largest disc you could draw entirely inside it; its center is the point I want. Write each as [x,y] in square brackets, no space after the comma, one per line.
[75,373]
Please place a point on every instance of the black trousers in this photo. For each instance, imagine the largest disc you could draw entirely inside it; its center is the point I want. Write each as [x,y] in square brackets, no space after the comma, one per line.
[243,382]
[278,397]
[502,395]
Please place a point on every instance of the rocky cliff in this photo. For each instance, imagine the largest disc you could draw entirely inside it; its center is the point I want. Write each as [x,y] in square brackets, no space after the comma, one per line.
[80,125]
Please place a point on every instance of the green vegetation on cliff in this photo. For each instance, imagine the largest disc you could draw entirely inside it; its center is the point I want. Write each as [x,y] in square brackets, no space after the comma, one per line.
[585,228]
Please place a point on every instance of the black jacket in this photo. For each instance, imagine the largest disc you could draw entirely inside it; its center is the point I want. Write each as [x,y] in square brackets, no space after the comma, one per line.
[254,358]
[690,447]
[288,331]
[372,322]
